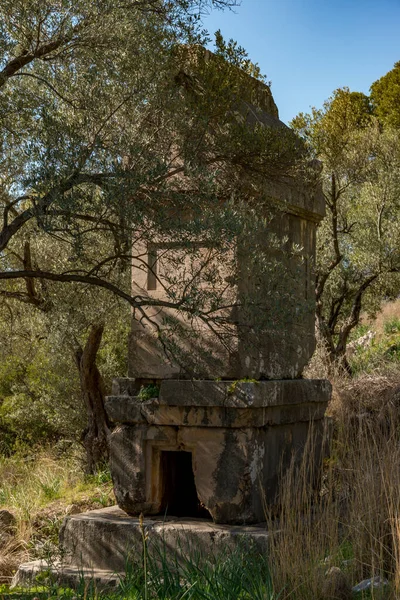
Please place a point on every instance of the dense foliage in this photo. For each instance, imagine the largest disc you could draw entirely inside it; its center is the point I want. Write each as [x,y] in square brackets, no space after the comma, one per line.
[357,138]
[114,123]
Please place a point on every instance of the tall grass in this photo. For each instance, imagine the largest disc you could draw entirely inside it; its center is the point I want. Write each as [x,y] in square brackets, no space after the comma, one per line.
[28,482]
[40,488]
[240,575]
[353,520]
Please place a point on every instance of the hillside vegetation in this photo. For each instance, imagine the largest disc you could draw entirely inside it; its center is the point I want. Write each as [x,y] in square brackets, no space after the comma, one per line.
[108,136]
[351,523]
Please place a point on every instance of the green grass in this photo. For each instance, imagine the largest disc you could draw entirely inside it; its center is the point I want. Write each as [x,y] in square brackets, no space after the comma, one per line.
[384,349]
[30,482]
[380,355]
[392,326]
[40,488]
[359,331]
[240,575]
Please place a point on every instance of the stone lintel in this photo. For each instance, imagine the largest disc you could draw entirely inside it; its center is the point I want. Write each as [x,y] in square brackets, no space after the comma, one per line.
[230,393]
[121,409]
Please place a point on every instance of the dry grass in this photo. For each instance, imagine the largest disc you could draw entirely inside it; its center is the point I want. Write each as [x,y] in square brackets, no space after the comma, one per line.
[308,532]
[12,554]
[370,396]
[353,522]
[40,490]
[389,312]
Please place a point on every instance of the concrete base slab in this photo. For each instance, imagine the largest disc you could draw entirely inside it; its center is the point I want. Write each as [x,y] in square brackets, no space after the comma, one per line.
[108,538]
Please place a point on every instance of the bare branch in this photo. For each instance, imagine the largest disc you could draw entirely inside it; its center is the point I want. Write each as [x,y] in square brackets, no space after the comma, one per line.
[50,86]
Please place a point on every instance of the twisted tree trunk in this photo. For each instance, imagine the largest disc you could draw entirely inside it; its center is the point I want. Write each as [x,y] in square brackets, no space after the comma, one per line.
[95,437]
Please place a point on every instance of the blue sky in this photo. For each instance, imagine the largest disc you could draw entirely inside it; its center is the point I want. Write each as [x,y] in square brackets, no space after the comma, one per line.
[308,48]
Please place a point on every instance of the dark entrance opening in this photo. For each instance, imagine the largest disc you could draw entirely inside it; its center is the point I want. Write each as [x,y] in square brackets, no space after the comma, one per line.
[179,495]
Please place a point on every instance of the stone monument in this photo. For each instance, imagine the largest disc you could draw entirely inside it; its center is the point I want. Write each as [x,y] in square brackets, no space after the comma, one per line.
[203,456]
[212,442]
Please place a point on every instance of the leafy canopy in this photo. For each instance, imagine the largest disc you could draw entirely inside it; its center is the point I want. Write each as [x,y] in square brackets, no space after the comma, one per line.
[385,97]
[358,257]
[114,124]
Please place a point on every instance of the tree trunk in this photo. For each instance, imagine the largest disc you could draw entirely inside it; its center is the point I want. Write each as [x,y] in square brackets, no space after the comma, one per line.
[340,361]
[341,350]
[95,437]
[335,353]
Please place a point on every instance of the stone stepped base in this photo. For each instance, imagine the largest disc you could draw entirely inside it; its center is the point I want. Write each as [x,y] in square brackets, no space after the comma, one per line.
[106,538]
[65,575]
[99,544]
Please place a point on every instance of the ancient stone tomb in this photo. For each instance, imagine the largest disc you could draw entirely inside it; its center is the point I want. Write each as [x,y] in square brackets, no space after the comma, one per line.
[210,449]
[213,440]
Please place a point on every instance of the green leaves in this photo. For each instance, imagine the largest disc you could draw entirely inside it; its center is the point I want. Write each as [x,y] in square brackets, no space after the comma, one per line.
[358,254]
[385,98]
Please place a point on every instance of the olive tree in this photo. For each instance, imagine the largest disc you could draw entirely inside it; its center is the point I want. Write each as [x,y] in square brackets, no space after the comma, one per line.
[114,123]
[358,256]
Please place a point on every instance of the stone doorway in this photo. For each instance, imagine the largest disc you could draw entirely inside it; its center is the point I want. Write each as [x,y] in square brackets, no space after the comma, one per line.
[178,489]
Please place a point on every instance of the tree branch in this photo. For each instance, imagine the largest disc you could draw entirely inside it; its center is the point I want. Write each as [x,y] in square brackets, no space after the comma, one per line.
[17,63]
[354,317]
[49,85]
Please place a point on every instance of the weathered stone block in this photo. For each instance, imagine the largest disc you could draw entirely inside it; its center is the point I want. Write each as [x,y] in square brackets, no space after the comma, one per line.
[248,347]
[244,346]
[215,448]
[108,538]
